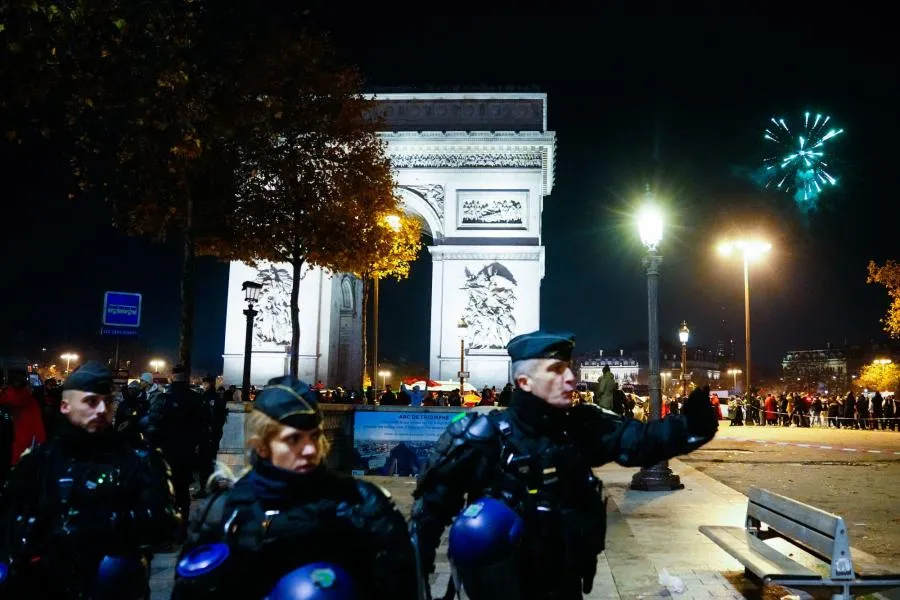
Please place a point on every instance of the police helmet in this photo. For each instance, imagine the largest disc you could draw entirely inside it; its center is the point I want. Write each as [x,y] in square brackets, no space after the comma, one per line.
[315,581]
[121,578]
[202,560]
[486,532]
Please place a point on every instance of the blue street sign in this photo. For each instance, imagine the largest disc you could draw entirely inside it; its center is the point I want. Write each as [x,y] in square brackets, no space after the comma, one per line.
[122,309]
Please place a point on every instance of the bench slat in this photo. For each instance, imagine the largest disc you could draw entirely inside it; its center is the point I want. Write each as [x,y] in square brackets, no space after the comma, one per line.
[814,541]
[866,568]
[816,518]
[762,560]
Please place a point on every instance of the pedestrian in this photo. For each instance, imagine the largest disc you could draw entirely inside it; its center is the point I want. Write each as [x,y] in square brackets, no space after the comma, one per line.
[536,457]
[86,501]
[606,387]
[28,424]
[291,510]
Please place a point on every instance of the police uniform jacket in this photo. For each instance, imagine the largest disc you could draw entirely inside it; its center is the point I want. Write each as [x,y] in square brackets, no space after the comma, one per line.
[538,459]
[275,521]
[77,498]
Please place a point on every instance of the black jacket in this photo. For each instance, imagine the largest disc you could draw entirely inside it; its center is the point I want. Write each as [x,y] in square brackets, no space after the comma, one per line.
[278,521]
[76,499]
[538,459]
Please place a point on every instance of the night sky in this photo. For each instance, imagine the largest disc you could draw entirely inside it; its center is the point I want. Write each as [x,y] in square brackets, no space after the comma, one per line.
[680,103]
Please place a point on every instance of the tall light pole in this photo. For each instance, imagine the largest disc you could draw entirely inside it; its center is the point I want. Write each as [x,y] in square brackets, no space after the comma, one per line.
[735,372]
[393,222]
[384,375]
[683,335]
[750,249]
[68,357]
[462,326]
[251,294]
[650,225]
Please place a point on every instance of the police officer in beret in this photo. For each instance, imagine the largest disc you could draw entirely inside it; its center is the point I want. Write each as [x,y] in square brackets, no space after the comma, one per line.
[82,511]
[536,457]
[291,512]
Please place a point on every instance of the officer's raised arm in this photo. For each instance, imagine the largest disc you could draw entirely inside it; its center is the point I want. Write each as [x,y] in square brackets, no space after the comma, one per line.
[632,443]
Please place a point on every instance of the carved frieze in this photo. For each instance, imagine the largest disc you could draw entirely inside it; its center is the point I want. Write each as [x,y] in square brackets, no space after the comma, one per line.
[460,160]
[492,209]
[419,114]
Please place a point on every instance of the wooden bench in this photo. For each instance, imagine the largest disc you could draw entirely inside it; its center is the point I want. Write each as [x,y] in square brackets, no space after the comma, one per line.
[815,531]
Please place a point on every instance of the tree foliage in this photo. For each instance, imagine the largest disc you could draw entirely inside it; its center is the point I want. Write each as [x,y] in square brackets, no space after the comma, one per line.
[888,275]
[311,167]
[881,377]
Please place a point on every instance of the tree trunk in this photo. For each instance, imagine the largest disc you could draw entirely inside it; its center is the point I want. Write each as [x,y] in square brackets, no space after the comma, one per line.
[365,314]
[297,264]
[187,291]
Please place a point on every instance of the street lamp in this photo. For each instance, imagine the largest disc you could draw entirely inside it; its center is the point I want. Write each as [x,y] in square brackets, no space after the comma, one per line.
[683,335]
[393,222]
[251,294]
[384,375]
[68,357]
[750,250]
[157,365]
[665,378]
[650,226]
[735,372]
[462,326]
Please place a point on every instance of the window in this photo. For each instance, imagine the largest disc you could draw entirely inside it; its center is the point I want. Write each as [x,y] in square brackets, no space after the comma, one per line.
[346,294]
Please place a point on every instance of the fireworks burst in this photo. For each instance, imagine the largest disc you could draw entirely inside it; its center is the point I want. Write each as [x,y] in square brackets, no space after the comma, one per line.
[800,164]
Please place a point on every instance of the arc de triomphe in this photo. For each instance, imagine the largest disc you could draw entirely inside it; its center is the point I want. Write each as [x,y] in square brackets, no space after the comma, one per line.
[475,168]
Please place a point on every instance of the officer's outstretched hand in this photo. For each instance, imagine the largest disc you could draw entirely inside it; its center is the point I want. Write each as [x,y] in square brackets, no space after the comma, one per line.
[702,416]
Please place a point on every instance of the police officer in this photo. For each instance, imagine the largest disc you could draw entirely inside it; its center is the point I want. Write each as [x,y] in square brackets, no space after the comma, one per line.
[291,511]
[536,458]
[82,510]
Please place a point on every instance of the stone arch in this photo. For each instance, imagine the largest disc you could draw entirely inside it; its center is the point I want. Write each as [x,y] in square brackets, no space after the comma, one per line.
[414,202]
[347,300]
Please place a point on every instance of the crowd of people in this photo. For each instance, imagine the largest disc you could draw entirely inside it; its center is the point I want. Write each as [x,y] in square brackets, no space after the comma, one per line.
[860,411]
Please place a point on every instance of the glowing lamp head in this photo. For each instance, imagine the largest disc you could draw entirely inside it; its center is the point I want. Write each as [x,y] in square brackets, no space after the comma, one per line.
[684,333]
[650,226]
[750,249]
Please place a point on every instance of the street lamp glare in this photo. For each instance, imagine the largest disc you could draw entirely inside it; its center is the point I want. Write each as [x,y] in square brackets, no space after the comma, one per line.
[393,221]
[684,333]
[650,226]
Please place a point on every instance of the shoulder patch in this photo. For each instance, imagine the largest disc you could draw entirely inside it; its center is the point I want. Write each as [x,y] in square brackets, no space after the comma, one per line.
[459,417]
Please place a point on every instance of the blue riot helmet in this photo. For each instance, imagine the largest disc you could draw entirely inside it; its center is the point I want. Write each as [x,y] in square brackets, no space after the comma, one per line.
[315,581]
[483,549]
[202,560]
[122,578]
[4,574]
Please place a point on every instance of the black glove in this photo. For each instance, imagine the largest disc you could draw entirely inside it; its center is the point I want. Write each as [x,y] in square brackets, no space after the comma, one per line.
[702,416]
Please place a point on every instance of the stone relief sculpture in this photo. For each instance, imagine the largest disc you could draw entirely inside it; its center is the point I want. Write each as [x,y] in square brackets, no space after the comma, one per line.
[492,211]
[273,323]
[489,307]
[428,160]
[433,194]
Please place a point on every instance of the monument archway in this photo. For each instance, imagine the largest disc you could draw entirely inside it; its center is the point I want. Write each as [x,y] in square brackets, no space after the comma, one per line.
[475,168]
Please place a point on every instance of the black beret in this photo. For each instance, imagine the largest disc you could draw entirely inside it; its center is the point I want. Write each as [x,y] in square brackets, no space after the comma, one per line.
[93,376]
[541,344]
[290,401]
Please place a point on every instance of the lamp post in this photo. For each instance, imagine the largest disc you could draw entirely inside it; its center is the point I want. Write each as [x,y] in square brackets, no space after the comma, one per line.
[393,222]
[384,375]
[650,225]
[251,294]
[68,357]
[157,365]
[683,335]
[462,326]
[750,250]
[735,372]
